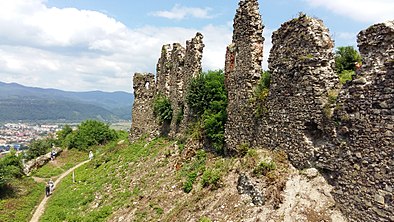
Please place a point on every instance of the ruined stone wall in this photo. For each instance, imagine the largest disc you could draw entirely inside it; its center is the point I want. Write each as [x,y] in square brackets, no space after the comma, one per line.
[143,120]
[302,76]
[193,57]
[365,117]
[175,69]
[242,72]
[163,70]
[349,137]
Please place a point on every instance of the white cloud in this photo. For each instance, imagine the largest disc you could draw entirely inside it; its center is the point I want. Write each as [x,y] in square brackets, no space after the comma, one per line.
[179,12]
[78,50]
[370,11]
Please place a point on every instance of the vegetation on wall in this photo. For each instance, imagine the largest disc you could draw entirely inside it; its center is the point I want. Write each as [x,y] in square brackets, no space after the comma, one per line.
[261,92]
[207,99]
[162,108]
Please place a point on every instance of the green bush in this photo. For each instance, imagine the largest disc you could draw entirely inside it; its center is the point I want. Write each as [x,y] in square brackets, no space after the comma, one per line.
[90,133]
[346,75]
[10,167]
[211,177]
[162,108]
[264,167]
[40,147]
[207,99]
[261,93]
[345,58]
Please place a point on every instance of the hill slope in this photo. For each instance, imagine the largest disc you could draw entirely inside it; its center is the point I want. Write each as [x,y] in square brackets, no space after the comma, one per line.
[160,180]
[19,102]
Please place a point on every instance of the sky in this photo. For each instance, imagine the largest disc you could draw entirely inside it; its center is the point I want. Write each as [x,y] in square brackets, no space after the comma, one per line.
[86,45]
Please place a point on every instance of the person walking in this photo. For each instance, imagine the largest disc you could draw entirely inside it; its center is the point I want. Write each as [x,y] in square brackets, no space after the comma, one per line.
[47,189]
[51,186]
[90,155]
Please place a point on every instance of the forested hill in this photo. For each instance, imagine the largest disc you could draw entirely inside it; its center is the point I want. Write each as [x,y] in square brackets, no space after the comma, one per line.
[18,102]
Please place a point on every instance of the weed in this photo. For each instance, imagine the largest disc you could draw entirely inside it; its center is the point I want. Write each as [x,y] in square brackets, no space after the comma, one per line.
[211,177]
[264,167]
[204,219]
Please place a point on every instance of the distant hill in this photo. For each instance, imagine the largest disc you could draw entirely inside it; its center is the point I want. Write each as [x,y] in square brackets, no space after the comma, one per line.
[18,102]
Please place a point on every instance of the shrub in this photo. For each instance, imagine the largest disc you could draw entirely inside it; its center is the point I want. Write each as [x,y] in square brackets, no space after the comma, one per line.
[90,133]
[261,93]
[162,108]
[346,75]
[207,99]
[345,57]
[10,167]
[211,177]
[39,147]
[264,167]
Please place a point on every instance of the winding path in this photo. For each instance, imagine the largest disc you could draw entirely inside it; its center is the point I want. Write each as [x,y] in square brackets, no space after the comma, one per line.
[40,209]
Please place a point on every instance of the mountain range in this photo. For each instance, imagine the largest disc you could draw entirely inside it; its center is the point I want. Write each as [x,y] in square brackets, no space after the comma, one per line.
[22,103]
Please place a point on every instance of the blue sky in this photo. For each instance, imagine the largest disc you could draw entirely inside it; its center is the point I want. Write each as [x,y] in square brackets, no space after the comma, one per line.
[83,45]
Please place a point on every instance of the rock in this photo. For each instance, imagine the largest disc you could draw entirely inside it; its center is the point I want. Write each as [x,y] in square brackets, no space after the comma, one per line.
[311,173]
[245,186]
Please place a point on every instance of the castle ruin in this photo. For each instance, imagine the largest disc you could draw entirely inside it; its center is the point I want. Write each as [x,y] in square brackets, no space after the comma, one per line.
[346,132]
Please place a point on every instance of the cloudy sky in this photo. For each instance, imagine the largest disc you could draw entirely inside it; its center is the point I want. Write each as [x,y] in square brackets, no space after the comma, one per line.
[84,45]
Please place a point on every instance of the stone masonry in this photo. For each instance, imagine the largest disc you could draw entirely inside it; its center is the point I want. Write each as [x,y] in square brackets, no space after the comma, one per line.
[302,76]
[175,69]
[143,121]
[192,68]
[242,72]
[365,123]
[346,133]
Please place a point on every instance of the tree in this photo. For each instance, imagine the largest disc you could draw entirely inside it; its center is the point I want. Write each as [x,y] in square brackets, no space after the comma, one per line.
[345,58]
[39,147]
[62,135]
[90,133]
[10,167]
[207,99]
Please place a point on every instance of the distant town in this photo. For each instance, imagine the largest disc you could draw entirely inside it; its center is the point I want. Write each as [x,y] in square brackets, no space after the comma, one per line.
[19,135]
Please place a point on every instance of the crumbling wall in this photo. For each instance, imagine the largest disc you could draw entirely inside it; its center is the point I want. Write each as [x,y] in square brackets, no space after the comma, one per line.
[365,119]
[302,76]
[192,68]
[242,72]
[175,69]
[163,70]
[143,120]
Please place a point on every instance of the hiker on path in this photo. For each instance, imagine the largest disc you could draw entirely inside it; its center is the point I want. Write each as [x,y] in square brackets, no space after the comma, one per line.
[51,186]
[47,189]
[90,155]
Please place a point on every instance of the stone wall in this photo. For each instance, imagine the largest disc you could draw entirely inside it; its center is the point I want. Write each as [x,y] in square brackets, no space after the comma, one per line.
[163,70]
[192,68]
[365,118]
[242,72]
[302,76]
[347,133]
[175,69]
[143,120]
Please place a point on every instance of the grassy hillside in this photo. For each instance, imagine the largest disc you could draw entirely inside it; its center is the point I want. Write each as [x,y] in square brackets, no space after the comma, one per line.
[163,180]
[19,199]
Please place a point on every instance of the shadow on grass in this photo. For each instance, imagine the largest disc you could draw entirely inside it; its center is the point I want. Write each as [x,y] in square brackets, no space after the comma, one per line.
[7,191]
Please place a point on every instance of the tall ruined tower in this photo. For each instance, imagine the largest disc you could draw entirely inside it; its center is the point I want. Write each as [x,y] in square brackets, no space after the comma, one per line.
[143,121]
[242,72]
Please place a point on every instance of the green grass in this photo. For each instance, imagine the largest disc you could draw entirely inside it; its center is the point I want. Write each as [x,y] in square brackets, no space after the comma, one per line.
[104,177]
[65,161]
[20,199]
